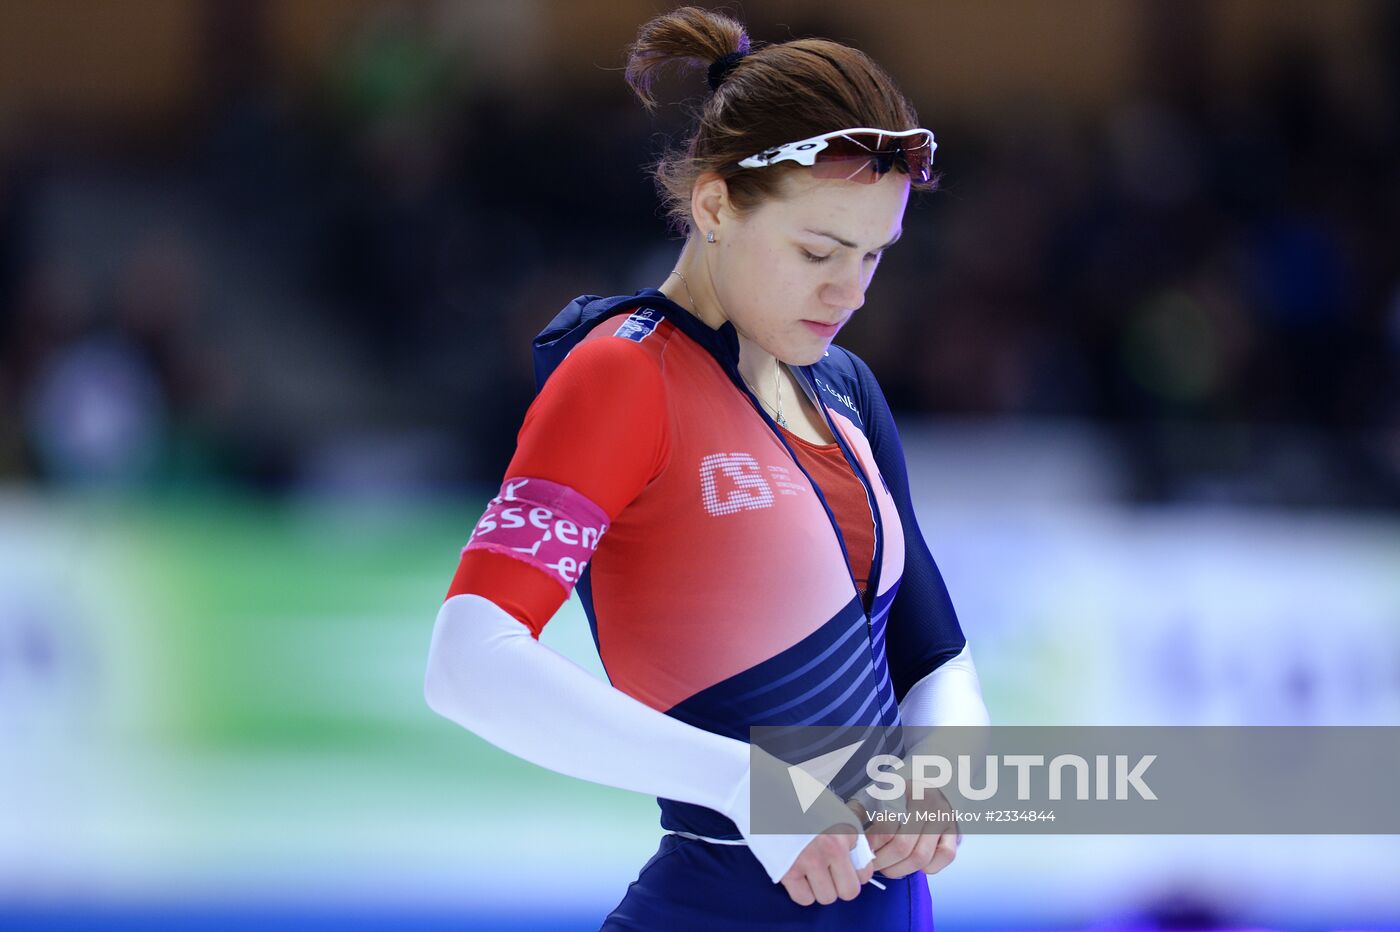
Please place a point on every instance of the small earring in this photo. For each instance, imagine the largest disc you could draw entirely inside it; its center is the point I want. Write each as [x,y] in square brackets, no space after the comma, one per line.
[710,236]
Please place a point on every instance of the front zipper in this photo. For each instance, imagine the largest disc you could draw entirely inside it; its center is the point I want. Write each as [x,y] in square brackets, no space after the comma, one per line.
[877,561]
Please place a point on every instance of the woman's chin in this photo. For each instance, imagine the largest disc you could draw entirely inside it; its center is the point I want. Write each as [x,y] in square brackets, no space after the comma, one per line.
[806,355]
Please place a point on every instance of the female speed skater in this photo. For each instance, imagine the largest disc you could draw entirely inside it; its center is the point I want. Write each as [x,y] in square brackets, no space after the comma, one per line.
[726,489]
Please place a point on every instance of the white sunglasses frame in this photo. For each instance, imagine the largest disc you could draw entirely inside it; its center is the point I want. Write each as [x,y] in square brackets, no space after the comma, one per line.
[804,151]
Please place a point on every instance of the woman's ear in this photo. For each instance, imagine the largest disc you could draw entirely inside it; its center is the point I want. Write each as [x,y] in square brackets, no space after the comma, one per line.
[709,203]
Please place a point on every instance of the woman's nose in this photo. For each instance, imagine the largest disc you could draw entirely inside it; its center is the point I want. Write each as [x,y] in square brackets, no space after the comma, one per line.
[847,292]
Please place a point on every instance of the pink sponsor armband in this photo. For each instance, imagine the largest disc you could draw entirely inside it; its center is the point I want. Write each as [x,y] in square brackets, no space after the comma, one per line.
[545,524]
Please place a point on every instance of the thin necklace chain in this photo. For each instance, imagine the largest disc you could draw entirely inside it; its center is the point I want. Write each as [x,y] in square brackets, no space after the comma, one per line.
[777,381]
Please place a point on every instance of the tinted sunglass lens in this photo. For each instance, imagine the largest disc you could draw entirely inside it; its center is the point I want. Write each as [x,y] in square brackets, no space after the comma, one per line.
[919,163]
[866,157]
[855,168]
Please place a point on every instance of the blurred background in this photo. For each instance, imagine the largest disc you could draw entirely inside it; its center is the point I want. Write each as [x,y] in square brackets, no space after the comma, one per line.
[269,273]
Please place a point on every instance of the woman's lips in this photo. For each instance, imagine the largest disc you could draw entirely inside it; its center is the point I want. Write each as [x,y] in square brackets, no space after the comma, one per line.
[823,330]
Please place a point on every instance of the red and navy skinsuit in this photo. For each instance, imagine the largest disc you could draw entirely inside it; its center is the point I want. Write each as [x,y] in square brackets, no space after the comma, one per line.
[721,590]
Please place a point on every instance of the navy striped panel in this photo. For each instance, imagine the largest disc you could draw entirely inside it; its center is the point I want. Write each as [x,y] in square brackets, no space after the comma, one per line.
[824,679]
[830,677]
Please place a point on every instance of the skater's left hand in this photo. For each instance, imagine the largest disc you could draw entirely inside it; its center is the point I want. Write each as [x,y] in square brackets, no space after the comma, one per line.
[927,846]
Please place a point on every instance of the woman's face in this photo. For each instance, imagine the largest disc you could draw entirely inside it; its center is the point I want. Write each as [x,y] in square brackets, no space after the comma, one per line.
[792,272]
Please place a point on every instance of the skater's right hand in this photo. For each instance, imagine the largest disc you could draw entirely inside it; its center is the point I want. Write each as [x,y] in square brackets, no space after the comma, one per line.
[823,871]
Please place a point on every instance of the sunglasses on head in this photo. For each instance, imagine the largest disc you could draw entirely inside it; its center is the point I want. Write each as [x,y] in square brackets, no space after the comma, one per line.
[861,154]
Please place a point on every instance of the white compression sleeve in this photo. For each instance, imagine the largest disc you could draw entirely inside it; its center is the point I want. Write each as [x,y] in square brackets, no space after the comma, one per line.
[487,674]
[950,695]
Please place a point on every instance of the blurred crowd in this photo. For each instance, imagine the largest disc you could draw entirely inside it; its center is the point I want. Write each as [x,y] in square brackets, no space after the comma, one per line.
[334,286]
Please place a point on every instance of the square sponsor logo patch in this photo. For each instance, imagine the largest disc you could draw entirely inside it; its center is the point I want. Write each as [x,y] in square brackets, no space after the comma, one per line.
[638,325]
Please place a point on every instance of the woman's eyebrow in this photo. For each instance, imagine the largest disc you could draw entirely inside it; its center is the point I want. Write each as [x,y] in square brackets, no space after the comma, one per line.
[850,245]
